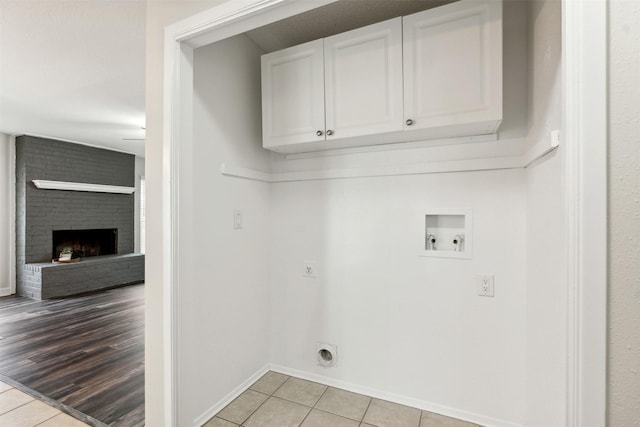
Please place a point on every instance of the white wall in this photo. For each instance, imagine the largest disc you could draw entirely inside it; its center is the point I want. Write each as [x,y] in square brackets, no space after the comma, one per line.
[404,324]
[7,222]
[623,406]
[159,15]
[224,272]
[139,172]
[546,289]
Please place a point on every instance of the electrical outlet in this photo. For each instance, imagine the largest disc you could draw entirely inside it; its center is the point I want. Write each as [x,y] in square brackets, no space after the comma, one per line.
[309,269]
[485,285]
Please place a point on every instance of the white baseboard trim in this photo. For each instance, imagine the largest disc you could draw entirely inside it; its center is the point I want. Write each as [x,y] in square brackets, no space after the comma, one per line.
[354,388]
[219,405]
[395,398]
[5,291]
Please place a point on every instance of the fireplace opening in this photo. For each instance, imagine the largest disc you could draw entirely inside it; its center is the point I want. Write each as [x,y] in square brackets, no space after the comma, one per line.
[85,243]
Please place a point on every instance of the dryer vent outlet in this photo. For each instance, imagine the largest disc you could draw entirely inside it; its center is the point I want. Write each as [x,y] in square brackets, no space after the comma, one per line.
[326,354]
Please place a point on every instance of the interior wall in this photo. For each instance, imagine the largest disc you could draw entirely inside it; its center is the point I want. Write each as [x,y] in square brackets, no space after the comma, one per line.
[546,289]
[159,15]
[623,400]
[406,325]
[139,172]
[7,247]
[379,302]
[224,271]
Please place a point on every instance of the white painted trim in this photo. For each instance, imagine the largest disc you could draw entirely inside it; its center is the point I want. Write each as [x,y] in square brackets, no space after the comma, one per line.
[240,172]
[541,149]
[396,398]
[395,146]
[219,405]
[538,151]
[5,291]
[81,186]
[177,128]
[584,26]
[12,215]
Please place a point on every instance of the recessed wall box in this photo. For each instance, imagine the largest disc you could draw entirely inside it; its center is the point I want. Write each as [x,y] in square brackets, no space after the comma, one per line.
[447,234]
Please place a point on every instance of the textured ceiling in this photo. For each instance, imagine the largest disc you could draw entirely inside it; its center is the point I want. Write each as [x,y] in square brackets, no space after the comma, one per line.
[74,70]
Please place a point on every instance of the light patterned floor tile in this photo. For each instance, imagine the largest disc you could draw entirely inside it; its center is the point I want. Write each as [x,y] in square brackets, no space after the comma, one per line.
[29,415]
[344,403]
[277,412]
[63,420]
[243,406]
[324,419]
[269,382]
[12,399]
[386,414]
[301,391]
[429,419]
[219,422]
[4,387]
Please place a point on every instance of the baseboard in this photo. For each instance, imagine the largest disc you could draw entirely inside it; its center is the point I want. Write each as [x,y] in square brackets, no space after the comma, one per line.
[219,405]
[395,398]
[5,291]
[355,388]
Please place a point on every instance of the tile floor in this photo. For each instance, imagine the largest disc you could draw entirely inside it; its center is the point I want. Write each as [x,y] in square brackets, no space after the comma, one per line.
[18,409]
[278,400]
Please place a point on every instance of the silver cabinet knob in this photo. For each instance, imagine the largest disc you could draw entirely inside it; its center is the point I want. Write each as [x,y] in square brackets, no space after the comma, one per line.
[329,132]
[409,122]
[319,133]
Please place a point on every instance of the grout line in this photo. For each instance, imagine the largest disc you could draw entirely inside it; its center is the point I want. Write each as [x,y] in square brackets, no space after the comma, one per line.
[17,407]
[259,406]
[366,410]
[59,413]
[80,416]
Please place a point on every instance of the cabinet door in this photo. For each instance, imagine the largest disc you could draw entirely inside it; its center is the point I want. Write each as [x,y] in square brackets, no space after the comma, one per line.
[453,66]
[293,95]
[363,80]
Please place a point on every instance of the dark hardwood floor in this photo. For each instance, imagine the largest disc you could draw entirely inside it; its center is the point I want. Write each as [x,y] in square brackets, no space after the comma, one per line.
[85,352]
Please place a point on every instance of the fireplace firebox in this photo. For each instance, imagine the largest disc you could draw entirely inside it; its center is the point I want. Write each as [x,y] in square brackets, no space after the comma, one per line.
[86,243]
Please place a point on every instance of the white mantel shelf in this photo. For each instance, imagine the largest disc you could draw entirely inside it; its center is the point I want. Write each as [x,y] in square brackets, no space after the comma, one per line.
[81,186]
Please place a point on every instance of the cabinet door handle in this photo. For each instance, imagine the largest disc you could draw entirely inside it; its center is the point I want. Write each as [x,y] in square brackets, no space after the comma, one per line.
[329,132]
[409,122]
[319,133]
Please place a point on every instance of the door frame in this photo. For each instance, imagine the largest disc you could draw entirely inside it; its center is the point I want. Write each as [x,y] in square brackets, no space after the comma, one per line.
[584,47]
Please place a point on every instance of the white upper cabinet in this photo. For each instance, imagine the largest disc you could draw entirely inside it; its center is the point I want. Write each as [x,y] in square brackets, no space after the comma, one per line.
[453,67]
[363,80]
[434,74]
[293,95]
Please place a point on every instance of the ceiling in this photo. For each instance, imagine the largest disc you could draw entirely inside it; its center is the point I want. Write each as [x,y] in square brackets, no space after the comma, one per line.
[334,18]
[74,70]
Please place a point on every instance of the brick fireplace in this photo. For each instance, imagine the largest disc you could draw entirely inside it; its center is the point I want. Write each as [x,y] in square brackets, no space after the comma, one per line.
[41,215]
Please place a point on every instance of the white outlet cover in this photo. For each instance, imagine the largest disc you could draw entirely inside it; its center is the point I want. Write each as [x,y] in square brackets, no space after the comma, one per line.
[484,284]
[309,269]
